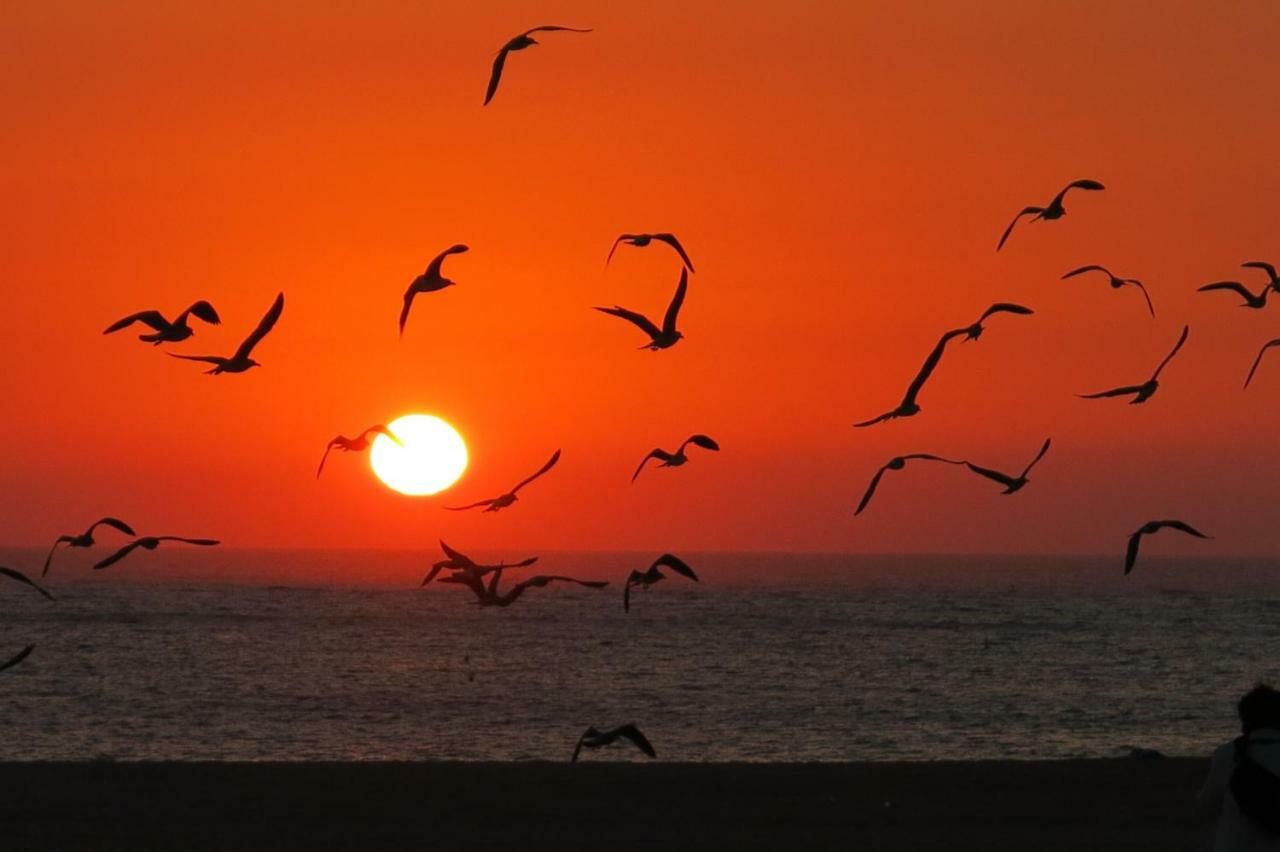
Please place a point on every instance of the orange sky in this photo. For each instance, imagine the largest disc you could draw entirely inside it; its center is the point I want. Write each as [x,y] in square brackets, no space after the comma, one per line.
[840,174]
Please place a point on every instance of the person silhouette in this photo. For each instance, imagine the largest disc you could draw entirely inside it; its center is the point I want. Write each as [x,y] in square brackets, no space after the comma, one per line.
[1243,771]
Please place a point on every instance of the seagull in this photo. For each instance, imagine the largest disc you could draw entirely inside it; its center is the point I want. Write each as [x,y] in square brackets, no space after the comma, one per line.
[85,539]
[520,42]
[458,561]
[653,574]
[502,501]
[1055,210]
[165,331]
[150,543]
[1116,282]
[17,658]
[973,332]
[909,406]
[1143,391]
[593,738]
[18,576]
[490,597]
[667,336]
[1258,360]
[1250,300]
[358,444]
[896,463]
[1011,483]
[1131,555]
[678,457]
[1274,283]
[240,361]
[642,240]
[429,281]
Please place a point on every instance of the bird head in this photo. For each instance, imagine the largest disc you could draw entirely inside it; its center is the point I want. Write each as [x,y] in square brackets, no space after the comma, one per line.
[973,332]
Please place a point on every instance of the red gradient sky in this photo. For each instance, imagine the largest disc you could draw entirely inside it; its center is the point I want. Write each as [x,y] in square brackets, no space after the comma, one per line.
[840,173]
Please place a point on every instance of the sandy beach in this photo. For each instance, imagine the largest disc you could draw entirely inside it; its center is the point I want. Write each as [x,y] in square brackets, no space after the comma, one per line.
[1040,805]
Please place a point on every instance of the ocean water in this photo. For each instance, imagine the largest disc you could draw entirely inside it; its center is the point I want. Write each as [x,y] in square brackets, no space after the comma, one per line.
[280,655]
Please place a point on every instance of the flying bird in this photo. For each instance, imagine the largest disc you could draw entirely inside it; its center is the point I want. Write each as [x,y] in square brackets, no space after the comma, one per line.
[653,574]
[1143,391]
[458,561]
[593,738]
[973,332]
[240,361]
[19,577]
[678,457]
[429,281]
[1270,270]
[520,42]
[910,405]
[1116,281]
[1250,300]
[1011,483]
[642,240]
[164,331]
[660,338]
[150,543]
[489,596]
[502,501]
[1258,360]
[1131,555]
[1055,210]
[358,444]
[17,658]
[85,539]
[896,463]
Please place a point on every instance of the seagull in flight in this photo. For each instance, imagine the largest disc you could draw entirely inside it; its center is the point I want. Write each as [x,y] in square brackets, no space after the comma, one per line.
[150,542]
[460,562]
[502,501]
[520,42]
[85,539]
[1131,555]
[489,596]
[1011,483]
[1143,391]
[678,457]
[164,331]
[1055,210]
[1258,360]
[19,577]
[909,405]
[240,361]
[1116,281]
[896,463]
[642,240]
[1250,300]
[973,332]
[358,444]
[429,281]
[659,338]
[653,574]
[1270,270]
[593,738]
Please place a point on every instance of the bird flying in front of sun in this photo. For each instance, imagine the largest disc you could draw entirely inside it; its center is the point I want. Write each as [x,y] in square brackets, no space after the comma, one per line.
[430,457]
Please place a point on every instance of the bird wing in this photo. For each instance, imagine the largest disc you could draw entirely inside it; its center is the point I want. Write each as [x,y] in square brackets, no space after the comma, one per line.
[48,560]
[675,563]
[1044,449]
[155,319]
[1258,360]
[496,74]
[1183,526]
[408,304]
[208,359]
[1131,553]
[1234,286]
[614,247]
[1113,392]
[118,555]
[673,310]
[546,579]
[1093,267]
[1181,340]
[645,324]
[381,429]
[23,578]
[874,420]
[578,748]
[471,505]
[204,311]
[626,590]
[203,542]
[114,523]
[550,28]
[325,457]
[655,453]
[994,475]
[1265,267]
[1075,184]
[871,489]
[17,658]
[670,239]
[641,742]
[930,363]
[703,441]
[524,563]
[433,268]
[551,462]
[1009,230]
[1005,308]
[1135,282]
[265,325]
[435,569]
[457,557]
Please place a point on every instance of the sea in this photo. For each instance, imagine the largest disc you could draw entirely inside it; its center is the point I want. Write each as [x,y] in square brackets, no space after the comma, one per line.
[279,655]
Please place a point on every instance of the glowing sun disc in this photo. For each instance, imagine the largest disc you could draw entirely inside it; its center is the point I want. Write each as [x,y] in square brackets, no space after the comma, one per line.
[432,458]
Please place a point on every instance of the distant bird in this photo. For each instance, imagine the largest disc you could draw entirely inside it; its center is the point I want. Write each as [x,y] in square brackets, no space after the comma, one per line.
[653,574]
[1116,282]
[240,361]
[1270,270]
[165,331]
[429,281]
[678,457]
[489,596]
[17,658]
[1250,300]
[19,577]
[1055,210]
[659,338]
[502,501]
[358,444]
[1131,555]
[458,561]
[910,405]
[642,240]
[85,539]
[150,543]
[1258,360]
[973,332]
[896,463]
[593,738]
[1143,391]
[1011,483]
[520,42]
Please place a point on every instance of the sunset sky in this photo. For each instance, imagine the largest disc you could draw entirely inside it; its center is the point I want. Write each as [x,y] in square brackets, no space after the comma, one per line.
[839,172]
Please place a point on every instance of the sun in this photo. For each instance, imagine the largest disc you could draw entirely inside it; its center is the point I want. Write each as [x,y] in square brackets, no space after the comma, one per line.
[431,459]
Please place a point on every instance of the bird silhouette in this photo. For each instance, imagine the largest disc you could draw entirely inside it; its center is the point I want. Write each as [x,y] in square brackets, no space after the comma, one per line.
[1144,391]
[520,42]
[240,361]
[973,332]
[490,596]
[659,338]
[85,539]
[17,658]
[1054,210]
[910,405]
[458,561]
[1116,281]
[1274,280]
[594,738]
[163,330]
[678,457]
[642,240]
[429,281]
[1011,483]
[502,501]
[358,444]
[18,576]
[150,542]
[1131,554]
[1258,360]
[653,574]
[1250,300]
[896,463]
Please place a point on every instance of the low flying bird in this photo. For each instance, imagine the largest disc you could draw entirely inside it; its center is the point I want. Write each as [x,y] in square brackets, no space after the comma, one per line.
[489,596]
[502,501]
[1270,270]
[594,738]
[659,338]
[458,561]
[358,444]
[163,330]
[1055,210]
[520,42]
[429,281]
[910,405]
[1258,360]
[653,574]
[1131,555]
[1250,300]
[1116,282]
[678,457]
[896,463]
[642,240]
[1011,483]
[1143,391]
[18,576]
[17,658]
[85,539]
[973,332]
[150,542]
[240,361]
